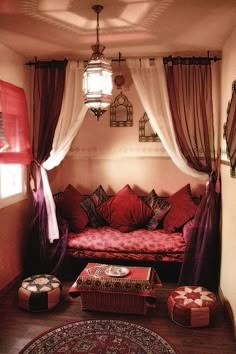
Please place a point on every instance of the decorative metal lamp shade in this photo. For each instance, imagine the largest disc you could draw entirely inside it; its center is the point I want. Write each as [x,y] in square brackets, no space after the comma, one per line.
[97,78]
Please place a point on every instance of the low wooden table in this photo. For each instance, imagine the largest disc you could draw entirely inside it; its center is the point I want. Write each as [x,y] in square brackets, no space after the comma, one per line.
[132,293]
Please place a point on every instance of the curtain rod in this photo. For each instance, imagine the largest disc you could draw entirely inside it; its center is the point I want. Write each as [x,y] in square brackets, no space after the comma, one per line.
[165,59]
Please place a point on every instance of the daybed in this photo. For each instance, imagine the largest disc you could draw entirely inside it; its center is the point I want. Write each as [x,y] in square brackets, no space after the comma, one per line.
[126,227]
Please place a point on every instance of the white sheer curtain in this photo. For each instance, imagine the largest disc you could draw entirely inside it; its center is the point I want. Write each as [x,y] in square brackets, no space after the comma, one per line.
[73,111]
[150,81]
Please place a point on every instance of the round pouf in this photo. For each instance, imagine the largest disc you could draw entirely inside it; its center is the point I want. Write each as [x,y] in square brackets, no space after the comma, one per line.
[191,306]
[39,292]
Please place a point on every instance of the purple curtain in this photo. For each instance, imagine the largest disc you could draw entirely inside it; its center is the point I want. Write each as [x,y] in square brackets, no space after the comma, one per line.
[49,79]
[189,84]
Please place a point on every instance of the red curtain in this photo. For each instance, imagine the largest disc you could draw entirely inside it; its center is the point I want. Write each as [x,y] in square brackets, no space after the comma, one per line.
[189,87]
[15,144]
[49,81]
[189,84]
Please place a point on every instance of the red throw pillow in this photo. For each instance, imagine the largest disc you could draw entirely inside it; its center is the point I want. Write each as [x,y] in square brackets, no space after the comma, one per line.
[69,207]
[125,211]
[183,209]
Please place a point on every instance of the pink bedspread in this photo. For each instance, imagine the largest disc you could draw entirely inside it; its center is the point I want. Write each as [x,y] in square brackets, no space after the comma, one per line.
[144,245]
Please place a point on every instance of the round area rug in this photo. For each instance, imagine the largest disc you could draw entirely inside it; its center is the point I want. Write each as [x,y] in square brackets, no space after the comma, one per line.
[99,337]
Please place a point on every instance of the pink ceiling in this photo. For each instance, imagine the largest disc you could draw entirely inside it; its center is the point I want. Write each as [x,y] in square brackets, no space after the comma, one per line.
[67,28]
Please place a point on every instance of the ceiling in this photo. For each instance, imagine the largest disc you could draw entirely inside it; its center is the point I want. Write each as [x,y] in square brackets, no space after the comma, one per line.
[67,28]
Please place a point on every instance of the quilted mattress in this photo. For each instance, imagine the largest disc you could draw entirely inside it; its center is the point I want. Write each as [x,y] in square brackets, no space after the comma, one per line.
[109,243]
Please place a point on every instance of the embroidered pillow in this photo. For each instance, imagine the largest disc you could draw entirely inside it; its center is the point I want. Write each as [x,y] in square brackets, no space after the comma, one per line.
[89,205]
[125,211]
[183,209]
[160,206]
[69,207]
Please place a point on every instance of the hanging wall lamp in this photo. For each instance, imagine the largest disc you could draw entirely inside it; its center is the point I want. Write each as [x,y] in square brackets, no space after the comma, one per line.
[119,78]
[97,78]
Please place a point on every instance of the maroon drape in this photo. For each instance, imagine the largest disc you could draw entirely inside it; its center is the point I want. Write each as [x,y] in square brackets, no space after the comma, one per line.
[49,79]
[15,146]
[189,84]
[189,88]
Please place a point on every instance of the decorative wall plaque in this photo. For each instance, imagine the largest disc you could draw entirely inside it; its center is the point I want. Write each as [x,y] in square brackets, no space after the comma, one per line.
[146,133]
[121,112]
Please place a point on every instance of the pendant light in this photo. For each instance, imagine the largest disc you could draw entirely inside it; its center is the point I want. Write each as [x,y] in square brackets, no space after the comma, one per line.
[97,77]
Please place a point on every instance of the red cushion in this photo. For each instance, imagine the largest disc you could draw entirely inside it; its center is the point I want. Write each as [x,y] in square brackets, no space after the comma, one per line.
[183,209]
[70,209]
[125,211]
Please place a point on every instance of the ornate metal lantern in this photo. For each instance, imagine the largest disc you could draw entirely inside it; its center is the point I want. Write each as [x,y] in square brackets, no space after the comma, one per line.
[97,78]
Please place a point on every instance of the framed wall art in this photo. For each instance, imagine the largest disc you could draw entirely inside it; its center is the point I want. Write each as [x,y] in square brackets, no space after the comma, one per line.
[146,133]
[121,112]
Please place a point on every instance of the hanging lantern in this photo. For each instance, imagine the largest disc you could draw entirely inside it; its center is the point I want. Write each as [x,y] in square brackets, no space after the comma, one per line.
[97,78]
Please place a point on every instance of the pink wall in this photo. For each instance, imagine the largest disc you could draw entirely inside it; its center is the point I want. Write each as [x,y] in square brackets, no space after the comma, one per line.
[113,156]
[142,174]
[228,261]
[14,222]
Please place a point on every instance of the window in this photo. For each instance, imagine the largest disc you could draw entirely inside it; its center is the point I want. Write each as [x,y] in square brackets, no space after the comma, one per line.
[15,147]
[12,183]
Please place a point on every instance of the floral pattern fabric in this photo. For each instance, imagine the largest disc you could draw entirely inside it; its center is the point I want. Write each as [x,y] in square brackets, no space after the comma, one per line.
[109,243]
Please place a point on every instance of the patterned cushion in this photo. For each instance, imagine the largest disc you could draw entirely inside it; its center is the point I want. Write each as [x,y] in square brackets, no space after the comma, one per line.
[183,209]
[125,211]
[160,207]
[39,292]
[89,205]
[191,306]
[70,209]
[107,242]
[99,196]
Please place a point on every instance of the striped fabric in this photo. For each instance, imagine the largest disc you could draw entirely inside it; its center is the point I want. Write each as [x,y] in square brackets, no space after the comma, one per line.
[90,203]
[160,206]
[99,196]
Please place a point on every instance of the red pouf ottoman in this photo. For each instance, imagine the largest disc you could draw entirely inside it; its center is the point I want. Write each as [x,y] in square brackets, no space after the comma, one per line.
[39,293]
[191,306]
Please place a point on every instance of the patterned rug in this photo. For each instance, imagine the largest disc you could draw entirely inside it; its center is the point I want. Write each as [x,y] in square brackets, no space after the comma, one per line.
[99,337]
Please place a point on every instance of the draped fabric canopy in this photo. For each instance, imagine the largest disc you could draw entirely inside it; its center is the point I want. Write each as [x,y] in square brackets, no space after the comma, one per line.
[71,116]
[49,81]
[15,146]
[178,102]
[65,81]
[190,95]
[150,81]
[189,85]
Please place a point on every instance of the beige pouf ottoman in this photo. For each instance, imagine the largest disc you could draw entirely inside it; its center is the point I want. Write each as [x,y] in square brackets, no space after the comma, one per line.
[191,306]
[39,292]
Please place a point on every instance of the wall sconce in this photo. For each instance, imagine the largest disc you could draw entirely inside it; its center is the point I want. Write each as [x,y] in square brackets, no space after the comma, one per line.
[119,79]
[97,77]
